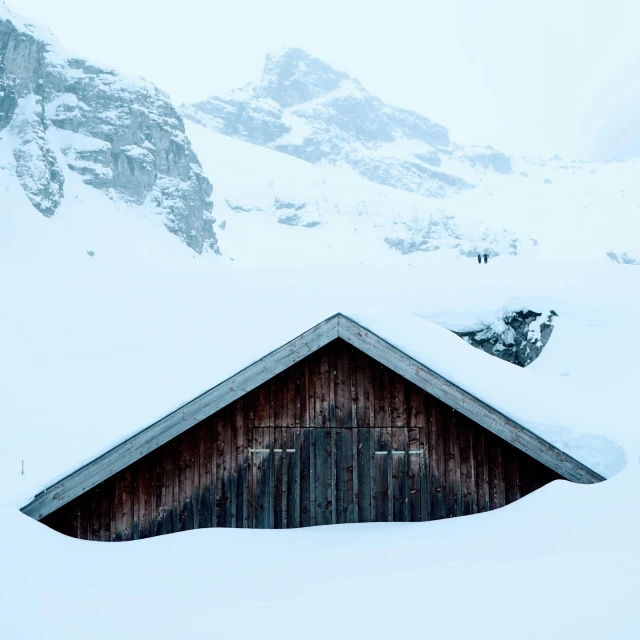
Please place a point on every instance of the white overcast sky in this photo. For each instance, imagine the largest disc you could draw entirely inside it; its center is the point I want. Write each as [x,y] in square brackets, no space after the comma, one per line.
[531,78]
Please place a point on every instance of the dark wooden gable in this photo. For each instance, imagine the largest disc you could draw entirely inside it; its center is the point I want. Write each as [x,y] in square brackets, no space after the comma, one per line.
[337,437]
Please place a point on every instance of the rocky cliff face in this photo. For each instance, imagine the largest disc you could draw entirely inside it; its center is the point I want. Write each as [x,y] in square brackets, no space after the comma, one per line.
[305,108]
[518,338]
[121,135]
[22,96]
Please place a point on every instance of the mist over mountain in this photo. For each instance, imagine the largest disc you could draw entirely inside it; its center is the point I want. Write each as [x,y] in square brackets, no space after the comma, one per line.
[307,109]
[305,165]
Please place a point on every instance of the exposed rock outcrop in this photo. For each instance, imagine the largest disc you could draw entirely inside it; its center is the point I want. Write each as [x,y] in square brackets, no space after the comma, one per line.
[121,135]
[518,338]
[622,258]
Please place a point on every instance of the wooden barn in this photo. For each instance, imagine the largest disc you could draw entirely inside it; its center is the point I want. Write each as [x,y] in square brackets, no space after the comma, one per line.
[336,426]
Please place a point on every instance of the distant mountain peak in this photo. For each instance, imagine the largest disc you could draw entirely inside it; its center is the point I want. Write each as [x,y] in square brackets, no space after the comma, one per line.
[305,108]
[291,76]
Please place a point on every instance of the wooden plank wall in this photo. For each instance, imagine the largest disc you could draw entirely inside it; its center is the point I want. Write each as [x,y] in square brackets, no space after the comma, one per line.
[336,438]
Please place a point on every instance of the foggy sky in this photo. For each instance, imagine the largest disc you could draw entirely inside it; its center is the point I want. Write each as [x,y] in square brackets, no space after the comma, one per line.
[533,78]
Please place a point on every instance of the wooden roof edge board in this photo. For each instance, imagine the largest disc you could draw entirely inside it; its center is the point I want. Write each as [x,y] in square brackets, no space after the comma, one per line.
[464,402]
[247,379]
[178,421]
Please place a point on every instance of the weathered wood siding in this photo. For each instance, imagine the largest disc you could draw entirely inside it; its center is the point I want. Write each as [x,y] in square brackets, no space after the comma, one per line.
[336,438]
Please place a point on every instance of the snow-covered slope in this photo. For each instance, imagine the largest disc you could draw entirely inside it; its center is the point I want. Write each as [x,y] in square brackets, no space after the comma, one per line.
[122,135]
[277,209]
[376,177]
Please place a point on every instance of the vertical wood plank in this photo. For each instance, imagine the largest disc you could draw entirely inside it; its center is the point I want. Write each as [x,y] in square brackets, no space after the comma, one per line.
[93,514]
[221,487]
[322,450]
[526,475]
[230,466]
[417,423]
[249,419]
[128,489]
[124,505]
[313,369]
[144,491]
[425,489]
[135,528]
[436,461]
[307,507]
[185,480]
[496,474]
[354,434]
[321,444]
[381,466]
[292,472]
[345,509]
[240,464]
[512,480]
[107,495]
[263,472]
[160,477]
[76,520]
[278,478]
[307,504]
[365,459]
[399,449]
[194,507]
[382,478]
[467,467]
[482,469]
[452,444]
[365,412]
[332,433]
[119,510]
[269,482]
[252,481]
[277,421]
[291,416]
[204,452]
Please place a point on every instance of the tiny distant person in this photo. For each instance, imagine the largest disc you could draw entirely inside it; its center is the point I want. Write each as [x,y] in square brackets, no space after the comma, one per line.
[486,258]
[479,259]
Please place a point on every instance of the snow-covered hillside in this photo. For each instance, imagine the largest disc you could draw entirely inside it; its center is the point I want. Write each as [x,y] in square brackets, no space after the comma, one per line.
[375,177]
[277,209]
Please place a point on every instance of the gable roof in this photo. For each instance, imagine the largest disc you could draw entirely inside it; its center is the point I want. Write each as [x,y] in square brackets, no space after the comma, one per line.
[337,326]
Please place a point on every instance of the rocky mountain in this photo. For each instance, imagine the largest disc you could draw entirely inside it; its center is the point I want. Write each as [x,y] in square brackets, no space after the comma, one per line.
[307,167]
[392,180]
[303,107]
[122,135]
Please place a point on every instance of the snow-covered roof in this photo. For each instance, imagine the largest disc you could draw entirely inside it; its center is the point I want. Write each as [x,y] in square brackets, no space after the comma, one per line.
[489,391]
